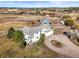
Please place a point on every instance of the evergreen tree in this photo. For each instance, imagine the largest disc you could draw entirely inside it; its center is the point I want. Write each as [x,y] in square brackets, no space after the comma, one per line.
[10,32]
[18,36]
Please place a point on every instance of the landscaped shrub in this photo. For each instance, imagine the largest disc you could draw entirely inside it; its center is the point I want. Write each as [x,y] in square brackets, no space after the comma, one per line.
[41,39]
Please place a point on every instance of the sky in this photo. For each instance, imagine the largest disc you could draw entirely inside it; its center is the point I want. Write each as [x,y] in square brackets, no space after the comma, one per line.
[37,4]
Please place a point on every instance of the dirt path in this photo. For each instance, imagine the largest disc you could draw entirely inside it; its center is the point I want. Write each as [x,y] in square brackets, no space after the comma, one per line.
[68,49]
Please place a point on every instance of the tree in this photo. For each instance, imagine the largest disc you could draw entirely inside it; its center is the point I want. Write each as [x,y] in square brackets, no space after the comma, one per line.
[66,17]
[69,22]
[41,39]
[42,36]
[21,13]
[77,18]
[10,32]
[38,13]
[18,36]
[23,44]
[77,26]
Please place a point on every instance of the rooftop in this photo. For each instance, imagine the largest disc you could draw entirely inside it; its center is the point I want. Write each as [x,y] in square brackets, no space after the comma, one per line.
[32,30]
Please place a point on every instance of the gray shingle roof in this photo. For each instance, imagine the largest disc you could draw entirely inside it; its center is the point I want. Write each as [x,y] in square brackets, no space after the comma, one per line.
[45,23]
[32,30]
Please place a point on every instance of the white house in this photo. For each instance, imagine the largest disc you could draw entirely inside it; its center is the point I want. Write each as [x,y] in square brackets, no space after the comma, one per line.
[32,34]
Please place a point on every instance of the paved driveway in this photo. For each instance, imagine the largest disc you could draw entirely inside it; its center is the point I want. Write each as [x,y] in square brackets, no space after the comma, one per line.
[68,49]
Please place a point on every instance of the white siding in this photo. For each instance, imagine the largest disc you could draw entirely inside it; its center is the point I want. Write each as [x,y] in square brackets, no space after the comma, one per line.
[26,37]
[36,36]
[34,39]
[43,30]
[49,33]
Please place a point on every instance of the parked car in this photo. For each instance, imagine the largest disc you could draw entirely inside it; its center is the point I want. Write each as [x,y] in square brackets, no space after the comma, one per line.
[67,34]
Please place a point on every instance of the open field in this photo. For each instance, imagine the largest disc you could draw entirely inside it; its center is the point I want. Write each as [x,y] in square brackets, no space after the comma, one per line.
[9,48]
[39,29]
[17,21]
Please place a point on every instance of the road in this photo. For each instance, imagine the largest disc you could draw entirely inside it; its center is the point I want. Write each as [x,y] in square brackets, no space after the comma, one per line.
[68,49]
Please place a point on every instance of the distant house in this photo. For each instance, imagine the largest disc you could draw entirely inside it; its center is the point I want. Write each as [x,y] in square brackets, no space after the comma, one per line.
[32,34]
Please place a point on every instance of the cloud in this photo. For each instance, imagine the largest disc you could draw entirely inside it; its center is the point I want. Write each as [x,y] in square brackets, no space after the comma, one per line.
[6,2]
[56,2]
[10,2]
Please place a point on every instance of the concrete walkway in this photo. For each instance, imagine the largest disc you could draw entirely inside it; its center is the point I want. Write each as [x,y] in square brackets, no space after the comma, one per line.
[68,49]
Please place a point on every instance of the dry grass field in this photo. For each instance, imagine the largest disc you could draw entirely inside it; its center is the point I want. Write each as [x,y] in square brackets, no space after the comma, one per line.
[8,48]
[17,21]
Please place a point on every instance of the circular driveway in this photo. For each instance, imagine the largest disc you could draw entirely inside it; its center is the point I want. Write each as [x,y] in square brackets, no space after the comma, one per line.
[68,49]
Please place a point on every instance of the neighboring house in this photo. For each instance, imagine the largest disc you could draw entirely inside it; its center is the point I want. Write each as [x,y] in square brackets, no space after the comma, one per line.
[32,34]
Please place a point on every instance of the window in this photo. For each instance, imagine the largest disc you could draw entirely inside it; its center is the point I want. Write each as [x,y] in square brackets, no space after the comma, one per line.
[45,23]
[36,37]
